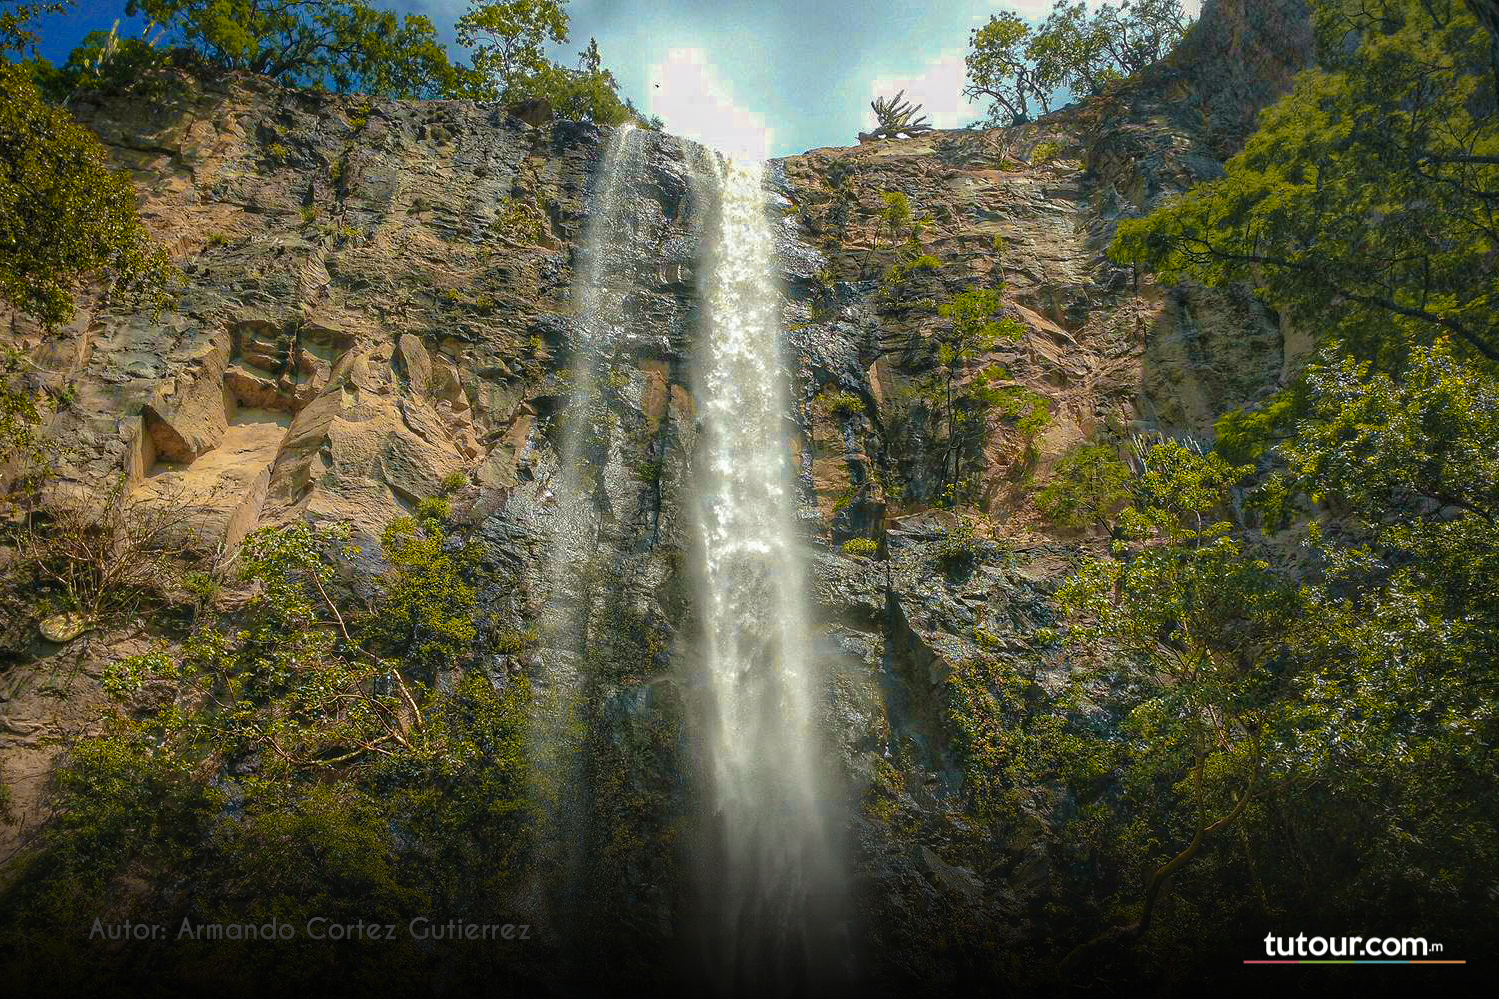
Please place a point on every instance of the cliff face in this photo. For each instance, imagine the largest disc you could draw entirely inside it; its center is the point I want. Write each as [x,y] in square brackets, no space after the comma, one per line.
[378,306]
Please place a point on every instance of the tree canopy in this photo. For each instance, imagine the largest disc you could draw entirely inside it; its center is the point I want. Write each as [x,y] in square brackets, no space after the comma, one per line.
[349,46]
[1350,686]
[343,45]
[1016,66]
[1365,203]
[66,217]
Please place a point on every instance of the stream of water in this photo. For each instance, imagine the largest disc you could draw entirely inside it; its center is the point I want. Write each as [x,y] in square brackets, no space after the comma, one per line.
[775,875]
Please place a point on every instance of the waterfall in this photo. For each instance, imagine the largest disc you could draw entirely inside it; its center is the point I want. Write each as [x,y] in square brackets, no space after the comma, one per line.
[773,874]
[576,504]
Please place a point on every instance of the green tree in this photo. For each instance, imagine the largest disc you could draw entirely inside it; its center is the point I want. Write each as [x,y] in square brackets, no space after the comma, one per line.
[426,604]
[66,218]
[1012,64]
[1203,632]
[1088,485]
[999,70]
[961,396]
[343,45]
[509,39]
[17,19]
[1364,204]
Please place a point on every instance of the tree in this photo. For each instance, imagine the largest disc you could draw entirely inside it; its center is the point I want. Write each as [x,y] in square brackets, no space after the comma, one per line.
[343,45]
[1203,632]
[1487,13]
[1415,461]
[998,70]
[17,34]
[1071,52]
[1364,204]
[509,42]
[1012,64]
[66,218]
[962,397]
[1088,485]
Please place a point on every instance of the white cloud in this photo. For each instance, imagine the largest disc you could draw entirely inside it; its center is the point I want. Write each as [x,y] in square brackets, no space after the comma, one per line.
[688,92]
[938,86]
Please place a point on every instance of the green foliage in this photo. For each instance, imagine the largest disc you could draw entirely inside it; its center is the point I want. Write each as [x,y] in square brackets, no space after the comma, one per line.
[1416,461]
[960,396]
[121,803]
[17,32]
[1011,739]
[278,769]
[958,549]
[66,218]
[1364,203]
[1012,64]
[895,215]
[22,449]
[509,40]
[105,63]
[845,404]
[998,70]
[426,603]
[1046,151]
[1087,486]
[1243,435]
[523,221]
[342,45]
[1027,411]
[1204,632]
[862,547]
[909,262]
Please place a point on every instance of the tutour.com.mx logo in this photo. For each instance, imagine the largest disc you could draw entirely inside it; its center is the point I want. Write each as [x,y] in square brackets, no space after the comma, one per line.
[1303,949]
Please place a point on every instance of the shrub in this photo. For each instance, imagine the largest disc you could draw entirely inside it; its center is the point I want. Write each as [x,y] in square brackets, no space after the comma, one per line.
[1088,485]
[861,547]
[1027,411]
[523,221]
[77,214]
[959,549]
[845,404]
[1046,151]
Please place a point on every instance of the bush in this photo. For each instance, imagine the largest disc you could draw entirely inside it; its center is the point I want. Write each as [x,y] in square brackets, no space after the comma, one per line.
[1046,151]
[958,551]
[1026,410]
[523,221]
[1088,485]
[845,404]
[861,547]
[78,215]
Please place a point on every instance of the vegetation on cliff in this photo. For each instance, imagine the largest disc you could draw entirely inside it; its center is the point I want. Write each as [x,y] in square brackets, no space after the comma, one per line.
[1017,67]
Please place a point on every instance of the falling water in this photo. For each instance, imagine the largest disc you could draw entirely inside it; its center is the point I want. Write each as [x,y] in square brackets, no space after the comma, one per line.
[576,499]
[773,872]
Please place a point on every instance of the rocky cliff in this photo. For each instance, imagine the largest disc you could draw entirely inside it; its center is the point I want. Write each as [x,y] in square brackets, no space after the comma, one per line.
[377,309]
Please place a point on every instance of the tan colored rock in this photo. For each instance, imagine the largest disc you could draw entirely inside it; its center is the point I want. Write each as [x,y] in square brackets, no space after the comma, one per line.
[65,627]
[415,363]
[188,417]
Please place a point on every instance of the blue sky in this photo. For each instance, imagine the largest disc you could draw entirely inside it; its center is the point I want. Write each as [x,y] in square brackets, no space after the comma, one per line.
[757,77]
